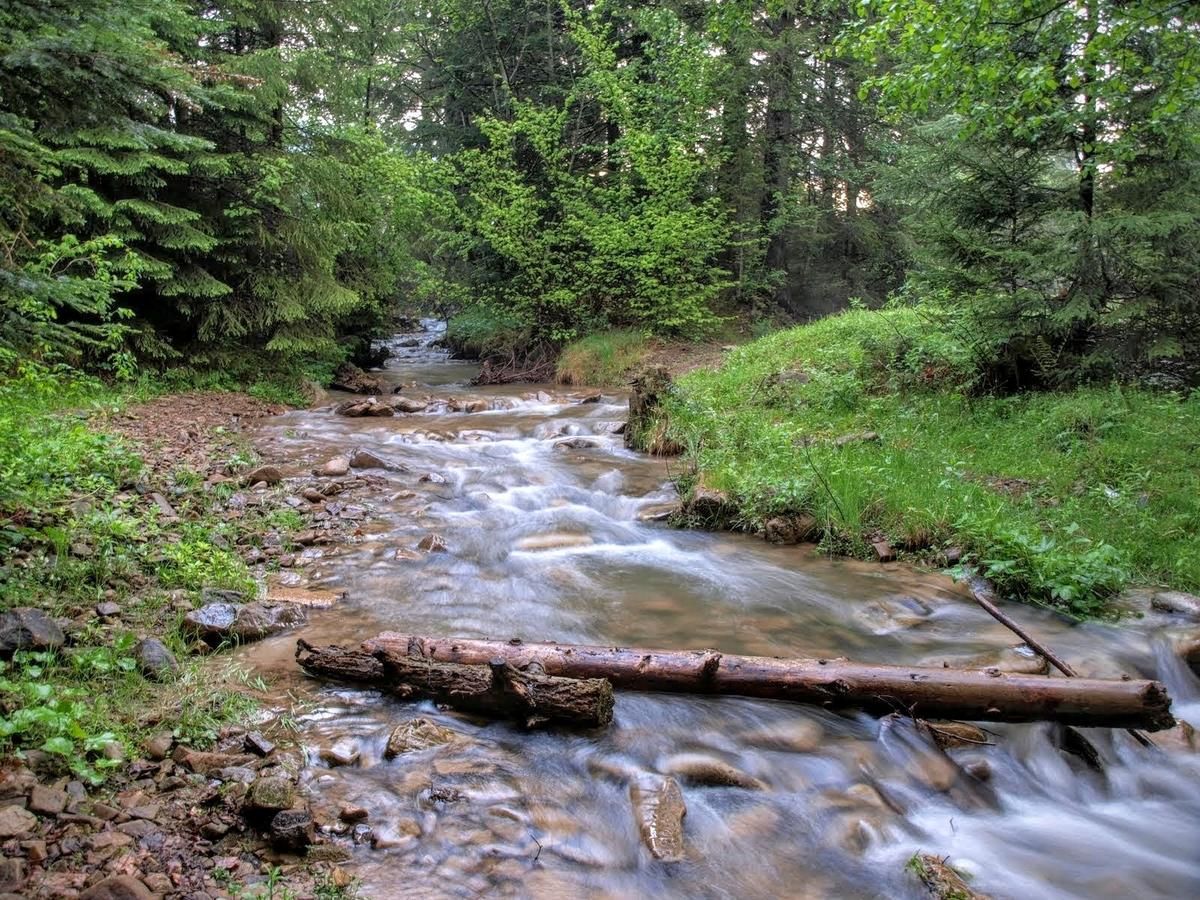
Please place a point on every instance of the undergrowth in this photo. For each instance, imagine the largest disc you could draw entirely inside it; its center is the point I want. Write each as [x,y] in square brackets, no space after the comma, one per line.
[874,423]
[604,359]
[74,532]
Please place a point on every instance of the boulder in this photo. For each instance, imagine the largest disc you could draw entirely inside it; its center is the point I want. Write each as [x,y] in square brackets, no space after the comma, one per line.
[154,660]
[270,794]
[417,734]
[356,408]
[334,468]
[219,622]
[658,811]
[354,380]
[25,628]
[265,474]
[292,829]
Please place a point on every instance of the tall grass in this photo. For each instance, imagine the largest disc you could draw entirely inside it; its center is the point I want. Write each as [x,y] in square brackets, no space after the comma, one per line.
[604,359]
[1062,497]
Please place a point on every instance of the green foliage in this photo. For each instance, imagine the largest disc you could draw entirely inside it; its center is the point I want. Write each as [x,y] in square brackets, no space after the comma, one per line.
[1061,497]
[575,235]
[601,360]
[1048,174]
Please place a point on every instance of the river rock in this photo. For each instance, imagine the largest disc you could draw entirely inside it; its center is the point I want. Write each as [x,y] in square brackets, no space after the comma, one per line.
[409,405]
[118,887]
[218,622]
[708,770]
[791,529]
[343,753]
[433,543]
[266,474]
[797,737]
[658,810]
[1019,660]
[334,468]
[576,443]
[154,660]
[158,746]
[16,821]
[46,800]
[557,541]
[292,829]
[365,459]
[351,378]
[948,735]
[417,734]
[1177,602]
[270,793]
[25,628]
[108,609]
[709,506]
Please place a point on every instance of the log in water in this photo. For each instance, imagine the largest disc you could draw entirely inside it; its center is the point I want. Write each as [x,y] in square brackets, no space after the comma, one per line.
[984,695]
[494,688]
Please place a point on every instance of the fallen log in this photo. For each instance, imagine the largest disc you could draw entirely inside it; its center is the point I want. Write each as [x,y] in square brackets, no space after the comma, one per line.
[495,688]
[933,693]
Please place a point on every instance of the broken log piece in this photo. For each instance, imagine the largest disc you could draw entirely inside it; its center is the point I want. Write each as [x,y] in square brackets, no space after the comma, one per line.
[499,690]
[494,689]
[339,662]
[932,693]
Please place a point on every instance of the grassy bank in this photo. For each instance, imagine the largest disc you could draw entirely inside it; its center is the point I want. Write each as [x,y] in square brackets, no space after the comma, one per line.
[78,529]
[872,423]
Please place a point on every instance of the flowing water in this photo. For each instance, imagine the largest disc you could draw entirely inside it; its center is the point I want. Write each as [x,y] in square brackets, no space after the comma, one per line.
[552,542]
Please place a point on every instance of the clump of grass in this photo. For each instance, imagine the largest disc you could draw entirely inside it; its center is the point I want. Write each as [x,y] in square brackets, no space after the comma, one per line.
[1061,498]
[604,359]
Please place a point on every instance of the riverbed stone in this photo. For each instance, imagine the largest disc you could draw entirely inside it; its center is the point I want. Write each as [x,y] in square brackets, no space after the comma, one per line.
[263,474]
[432,543]
[1177,602]
[658,809]
[803,736]
[292,829]
[26,628]
[333,468]
[16,821]
[417,734]
[46,800]
[218,622]
[700,768]
[948,735]
[154,660]
[118,887]
[271,793]
[206,763]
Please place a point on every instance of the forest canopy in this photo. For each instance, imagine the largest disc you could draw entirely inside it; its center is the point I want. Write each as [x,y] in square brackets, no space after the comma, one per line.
[186,183]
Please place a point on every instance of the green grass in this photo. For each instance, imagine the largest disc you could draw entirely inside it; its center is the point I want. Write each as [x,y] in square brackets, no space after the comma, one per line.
[65,485]
[1061,498]
[602,360]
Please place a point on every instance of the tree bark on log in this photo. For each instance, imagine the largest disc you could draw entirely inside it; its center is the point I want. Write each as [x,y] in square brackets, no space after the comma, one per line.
[493,688]
[974,695]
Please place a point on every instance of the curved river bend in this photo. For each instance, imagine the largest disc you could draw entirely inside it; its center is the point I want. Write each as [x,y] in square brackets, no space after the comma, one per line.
[550,542]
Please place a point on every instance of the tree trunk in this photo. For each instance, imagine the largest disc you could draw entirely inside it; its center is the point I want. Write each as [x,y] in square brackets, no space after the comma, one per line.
[979,695]
[493,688]
[777,135]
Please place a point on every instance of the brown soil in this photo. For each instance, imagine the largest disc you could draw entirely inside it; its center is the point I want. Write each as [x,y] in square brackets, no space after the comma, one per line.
[680,357]
[188,430]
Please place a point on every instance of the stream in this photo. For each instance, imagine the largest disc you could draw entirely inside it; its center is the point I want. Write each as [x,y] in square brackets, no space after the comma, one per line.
[549,541]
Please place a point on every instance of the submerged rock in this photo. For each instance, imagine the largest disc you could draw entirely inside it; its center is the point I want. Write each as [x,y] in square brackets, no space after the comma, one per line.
[797,737]
[1178,603]
[417,734]
[708,770]
[658,810]
[433,543]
